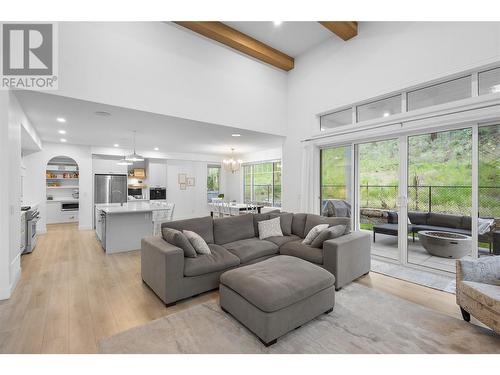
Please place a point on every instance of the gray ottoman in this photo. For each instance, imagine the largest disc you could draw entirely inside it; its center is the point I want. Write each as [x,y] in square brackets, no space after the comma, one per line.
[276,295]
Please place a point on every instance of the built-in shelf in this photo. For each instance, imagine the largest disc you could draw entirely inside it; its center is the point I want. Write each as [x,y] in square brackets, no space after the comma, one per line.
[62,187]
[62,178]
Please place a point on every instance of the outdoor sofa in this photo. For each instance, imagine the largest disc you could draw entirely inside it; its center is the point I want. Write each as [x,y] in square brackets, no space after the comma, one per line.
[434,222]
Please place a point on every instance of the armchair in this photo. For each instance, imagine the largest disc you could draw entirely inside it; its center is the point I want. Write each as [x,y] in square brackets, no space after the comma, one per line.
[478,290]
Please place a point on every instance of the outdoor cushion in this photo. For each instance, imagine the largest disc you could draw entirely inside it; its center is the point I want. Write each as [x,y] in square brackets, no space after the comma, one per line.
[466,222]
[285,280]
[444,220]
[219,259]
[418,218]
[313,220]
[179,239]
[281,240]
[201,225]
[256,219]
[299,250]
[392,217]
[285,221]
[251,248]
[298,224]
[233,228]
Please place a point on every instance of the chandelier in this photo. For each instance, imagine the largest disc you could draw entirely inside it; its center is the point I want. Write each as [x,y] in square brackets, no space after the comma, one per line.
[231,164]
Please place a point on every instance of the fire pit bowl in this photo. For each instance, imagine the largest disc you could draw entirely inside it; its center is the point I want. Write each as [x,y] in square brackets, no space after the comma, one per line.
[445,244]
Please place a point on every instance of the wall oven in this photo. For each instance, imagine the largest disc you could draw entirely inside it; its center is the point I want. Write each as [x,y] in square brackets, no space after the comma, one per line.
[69,206]
[157,193]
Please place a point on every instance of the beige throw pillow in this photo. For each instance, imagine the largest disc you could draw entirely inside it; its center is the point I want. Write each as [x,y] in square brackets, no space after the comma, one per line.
[270,228]
[328,234]
[313,233]
[197,241]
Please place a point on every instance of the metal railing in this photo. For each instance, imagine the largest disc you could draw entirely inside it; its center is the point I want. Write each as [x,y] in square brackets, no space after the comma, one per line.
[263,194]
[456,199]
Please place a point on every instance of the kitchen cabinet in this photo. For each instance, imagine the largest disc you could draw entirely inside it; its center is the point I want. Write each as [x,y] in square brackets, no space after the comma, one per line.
[56,215]
[107,166]
[157,173]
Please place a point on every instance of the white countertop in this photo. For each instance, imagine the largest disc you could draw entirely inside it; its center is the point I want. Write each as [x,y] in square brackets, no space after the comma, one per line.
[69,200]
[130,207]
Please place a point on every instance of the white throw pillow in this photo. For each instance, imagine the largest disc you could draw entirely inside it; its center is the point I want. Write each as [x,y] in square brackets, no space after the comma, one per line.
[313,233]
[270,228]
[197,241]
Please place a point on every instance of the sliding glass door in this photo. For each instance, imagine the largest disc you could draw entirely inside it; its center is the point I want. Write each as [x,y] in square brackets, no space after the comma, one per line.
[378,176]
[439,198]
[336,181]
[427,199]
[488,226]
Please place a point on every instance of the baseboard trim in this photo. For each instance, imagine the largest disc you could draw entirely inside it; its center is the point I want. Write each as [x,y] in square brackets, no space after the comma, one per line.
[15,270]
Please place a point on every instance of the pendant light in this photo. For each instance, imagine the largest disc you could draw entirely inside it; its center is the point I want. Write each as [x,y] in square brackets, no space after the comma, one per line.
[134,157]
[124,161]
[231,164]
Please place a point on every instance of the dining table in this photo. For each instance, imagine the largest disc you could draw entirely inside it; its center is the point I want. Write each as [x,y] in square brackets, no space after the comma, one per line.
[235,208]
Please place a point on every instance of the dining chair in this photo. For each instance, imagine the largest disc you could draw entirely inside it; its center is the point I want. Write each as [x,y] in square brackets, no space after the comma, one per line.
[226,208]
[170,208]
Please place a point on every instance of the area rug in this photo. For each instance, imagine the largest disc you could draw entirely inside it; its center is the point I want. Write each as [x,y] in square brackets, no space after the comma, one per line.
[363,320]
[421,277]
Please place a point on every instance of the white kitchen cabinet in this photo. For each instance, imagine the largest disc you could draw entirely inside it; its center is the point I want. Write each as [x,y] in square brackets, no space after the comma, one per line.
[157,176]
[53,212]
[69,216]
[108,166]
[55,215]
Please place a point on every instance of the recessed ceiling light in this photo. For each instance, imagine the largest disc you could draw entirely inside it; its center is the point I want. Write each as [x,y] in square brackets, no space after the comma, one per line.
[61,119]
[102,113]
[235,135]
[63,140]
[116,145]
[62,131]
[386,114]
[156,148]
[277,23]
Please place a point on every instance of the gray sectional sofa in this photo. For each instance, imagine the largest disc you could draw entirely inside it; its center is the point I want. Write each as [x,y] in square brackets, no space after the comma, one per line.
[234,242]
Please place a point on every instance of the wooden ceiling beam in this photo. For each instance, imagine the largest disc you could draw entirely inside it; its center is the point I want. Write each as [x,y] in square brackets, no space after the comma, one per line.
[343,29]
[240,42]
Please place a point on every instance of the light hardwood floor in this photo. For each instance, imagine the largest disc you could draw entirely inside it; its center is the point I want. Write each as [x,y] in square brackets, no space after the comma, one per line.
[71,295]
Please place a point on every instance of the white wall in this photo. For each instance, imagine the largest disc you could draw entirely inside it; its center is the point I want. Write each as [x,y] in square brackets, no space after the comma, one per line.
[384,57]
[191,202]
[35,183]
[232,186]
[163,68]
[11,119]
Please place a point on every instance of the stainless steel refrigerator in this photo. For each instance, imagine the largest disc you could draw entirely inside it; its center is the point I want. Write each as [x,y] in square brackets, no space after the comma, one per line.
[110,188]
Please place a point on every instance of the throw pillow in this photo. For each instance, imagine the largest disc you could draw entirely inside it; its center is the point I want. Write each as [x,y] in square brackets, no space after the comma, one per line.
[176,238]
[270,228]
[313,233]
[328,234]
[286,221]
[197,242]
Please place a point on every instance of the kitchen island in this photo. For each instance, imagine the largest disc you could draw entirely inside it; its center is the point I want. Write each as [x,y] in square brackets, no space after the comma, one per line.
[120,227]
